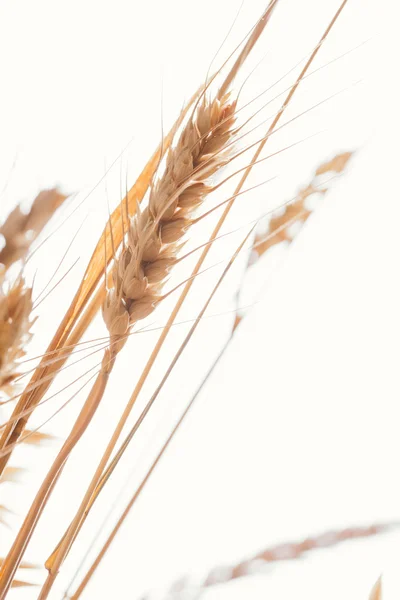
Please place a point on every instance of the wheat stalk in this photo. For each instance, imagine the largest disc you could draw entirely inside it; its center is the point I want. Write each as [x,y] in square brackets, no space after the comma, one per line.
[214,235]
[154,235]
[139,273]
[200,147]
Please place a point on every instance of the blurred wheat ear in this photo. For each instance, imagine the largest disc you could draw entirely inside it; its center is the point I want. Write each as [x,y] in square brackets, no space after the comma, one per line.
[19,232]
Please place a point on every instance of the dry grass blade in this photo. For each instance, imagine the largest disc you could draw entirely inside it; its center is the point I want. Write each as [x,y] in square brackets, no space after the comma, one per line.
[18,583]
[23,565]
[376,592]
[21,229]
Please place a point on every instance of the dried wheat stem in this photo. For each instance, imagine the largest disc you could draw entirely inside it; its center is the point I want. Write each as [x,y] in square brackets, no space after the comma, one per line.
[149,404]
[153,241]
[213,236]
[138,276]
[14,557]
[180,301]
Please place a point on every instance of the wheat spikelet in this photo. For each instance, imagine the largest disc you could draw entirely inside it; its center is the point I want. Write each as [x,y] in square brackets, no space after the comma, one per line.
[21,229]
[286,226]
[155,234]
[18,232]
[279,229]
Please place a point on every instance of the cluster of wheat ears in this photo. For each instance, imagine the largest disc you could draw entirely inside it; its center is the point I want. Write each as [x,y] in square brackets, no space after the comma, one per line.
[137,251]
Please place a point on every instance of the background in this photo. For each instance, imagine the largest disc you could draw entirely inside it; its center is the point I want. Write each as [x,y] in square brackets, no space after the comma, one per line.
[296,432]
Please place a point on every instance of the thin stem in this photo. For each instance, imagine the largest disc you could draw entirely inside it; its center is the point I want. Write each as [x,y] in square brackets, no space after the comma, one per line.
[15,555]
[57,557]
[70,536]
[175,429]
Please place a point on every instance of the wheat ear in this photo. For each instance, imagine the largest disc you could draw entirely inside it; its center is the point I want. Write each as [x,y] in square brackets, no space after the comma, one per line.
[154,238]
[170,220]
[85,304]
[140,271]
[155,233]
[19,231]
[54,558]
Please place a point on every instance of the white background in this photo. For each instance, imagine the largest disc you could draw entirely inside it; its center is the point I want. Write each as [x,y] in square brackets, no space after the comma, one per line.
[297,430]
